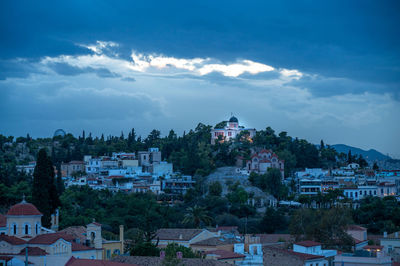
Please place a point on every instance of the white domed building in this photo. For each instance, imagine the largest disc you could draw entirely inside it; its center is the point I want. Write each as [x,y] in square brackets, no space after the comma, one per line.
[230,131]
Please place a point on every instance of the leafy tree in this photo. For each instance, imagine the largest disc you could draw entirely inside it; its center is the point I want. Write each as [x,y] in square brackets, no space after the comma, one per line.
[325,226]
[145,249]
[274,181]
[187,252]
[272,221]
[215,189]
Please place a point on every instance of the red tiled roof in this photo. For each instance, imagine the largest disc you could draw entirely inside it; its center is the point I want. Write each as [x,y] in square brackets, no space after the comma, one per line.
[47,239]
[308,243]
[33,251]
[6,258]
[3,221]
[88,262]
[177,233]
[76,232]
[372,247]
[357,241]
[224,254]
[24,208]
[77,247]
[354,227]
[12,240]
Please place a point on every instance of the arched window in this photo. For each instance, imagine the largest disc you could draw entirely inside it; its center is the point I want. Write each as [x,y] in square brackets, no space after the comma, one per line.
[27,229]
[14,229]
[37,228]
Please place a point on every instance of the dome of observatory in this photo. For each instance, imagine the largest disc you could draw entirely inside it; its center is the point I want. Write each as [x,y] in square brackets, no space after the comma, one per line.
[233,120]
[59,132]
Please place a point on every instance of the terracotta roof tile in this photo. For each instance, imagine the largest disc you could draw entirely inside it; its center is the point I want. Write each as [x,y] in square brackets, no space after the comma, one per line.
[157,261]
[177,233]
[89,262]
[23,208]
[354,227]
[33,251]
[12,240]
[215,241]
[47,239]
[6,258]
[77,247]
[76,231]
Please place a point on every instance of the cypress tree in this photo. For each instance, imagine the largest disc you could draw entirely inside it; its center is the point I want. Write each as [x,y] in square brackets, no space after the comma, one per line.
[44,191]
[59,183]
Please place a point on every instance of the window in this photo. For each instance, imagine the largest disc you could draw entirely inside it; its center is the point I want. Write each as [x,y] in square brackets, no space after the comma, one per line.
[229,134]
[26,229]
[381,190]
[374,192]
[15,229]
[108,253]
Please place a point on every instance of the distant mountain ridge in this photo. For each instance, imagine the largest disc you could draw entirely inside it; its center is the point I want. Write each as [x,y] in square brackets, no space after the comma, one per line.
[370,155]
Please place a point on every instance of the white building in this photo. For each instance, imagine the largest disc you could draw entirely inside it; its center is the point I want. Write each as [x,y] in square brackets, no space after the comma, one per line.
[230,131]
[310,186]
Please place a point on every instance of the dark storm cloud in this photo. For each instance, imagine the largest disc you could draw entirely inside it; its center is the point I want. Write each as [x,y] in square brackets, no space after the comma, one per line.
[332,38]
[325,87]
[68,70]
[17,68]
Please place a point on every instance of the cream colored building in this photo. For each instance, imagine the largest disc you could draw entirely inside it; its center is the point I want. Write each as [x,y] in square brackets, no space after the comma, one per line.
[24,234]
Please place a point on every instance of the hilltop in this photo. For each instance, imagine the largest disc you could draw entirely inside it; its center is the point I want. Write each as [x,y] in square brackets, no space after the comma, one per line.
[370,155]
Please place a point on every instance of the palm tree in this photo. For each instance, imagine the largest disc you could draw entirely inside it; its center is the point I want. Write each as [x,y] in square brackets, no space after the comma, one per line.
[195,215]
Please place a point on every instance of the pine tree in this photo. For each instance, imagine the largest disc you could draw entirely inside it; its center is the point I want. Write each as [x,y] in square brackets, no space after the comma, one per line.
[44,192]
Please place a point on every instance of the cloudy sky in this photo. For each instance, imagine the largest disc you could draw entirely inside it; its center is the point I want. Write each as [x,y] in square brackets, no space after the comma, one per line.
[316,69]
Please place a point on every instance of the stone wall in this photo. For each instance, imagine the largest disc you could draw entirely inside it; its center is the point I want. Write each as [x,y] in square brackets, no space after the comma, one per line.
[275,256]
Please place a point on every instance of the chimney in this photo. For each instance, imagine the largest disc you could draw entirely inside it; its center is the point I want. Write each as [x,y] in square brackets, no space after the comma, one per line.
[384,234]
[121,238]
[396,234]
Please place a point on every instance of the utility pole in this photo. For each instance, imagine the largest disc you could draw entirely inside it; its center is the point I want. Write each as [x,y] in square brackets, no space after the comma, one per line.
[26,255]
